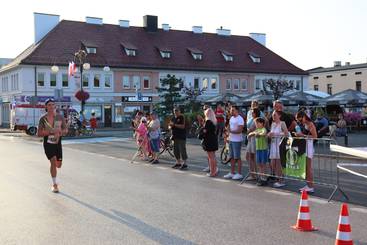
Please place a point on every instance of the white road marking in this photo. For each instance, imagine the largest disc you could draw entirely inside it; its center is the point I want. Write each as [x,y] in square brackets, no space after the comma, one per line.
[178,171]
[248,186]
[221,180]
[317,200]
[283,193]
[360,210]
[198,175]
[162,168]
[93,140]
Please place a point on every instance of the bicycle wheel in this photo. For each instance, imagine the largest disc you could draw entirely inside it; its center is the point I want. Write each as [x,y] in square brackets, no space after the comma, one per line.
[224,155]
[162,146]
[170,149]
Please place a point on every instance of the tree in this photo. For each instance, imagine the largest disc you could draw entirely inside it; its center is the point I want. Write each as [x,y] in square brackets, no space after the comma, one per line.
[191,95]
[279,87]
[169,93]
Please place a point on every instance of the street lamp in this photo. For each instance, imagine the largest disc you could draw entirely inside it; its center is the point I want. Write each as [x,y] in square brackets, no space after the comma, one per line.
[80,59]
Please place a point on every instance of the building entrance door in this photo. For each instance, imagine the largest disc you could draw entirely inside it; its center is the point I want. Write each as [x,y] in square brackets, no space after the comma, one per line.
[108,116]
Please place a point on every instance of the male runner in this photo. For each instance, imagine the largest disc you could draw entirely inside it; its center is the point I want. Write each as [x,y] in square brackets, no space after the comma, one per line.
[52,127]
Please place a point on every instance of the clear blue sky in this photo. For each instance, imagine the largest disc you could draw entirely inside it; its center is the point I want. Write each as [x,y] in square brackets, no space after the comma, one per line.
[308,33]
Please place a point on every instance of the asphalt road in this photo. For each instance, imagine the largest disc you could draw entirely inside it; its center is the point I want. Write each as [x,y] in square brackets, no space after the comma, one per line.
[105,199]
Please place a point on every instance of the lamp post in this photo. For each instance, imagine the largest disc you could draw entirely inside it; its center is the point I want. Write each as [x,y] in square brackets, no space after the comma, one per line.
[80,59]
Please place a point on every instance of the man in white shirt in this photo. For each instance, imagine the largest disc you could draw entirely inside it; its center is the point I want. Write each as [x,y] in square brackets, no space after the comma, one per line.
[236,124]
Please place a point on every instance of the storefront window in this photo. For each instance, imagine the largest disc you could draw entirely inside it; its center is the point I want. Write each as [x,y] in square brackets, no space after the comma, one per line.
[97,109]
[118,114]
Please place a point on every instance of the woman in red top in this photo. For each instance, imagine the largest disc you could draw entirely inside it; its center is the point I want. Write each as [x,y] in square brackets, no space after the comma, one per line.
[93,122]
[219,114]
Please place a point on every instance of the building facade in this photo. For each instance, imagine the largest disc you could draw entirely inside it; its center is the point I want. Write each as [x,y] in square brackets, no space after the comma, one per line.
[137,57]
[335,79]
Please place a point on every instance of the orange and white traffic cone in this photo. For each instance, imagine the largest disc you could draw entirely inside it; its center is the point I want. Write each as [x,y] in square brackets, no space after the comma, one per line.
[343,235]
[304,221]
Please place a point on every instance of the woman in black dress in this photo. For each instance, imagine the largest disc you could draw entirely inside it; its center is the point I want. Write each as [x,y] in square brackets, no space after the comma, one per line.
[210,140]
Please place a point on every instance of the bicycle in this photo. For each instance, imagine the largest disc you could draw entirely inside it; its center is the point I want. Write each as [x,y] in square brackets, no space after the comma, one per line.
[224,154]
[166,144]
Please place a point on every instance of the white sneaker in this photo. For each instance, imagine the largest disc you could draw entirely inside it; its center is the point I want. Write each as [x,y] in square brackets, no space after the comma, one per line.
[278,185]
[207,169]
[228,176]
[237,177]
[307,189]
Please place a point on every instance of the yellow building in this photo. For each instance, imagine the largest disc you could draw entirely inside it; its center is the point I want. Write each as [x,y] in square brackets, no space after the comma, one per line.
[335,79]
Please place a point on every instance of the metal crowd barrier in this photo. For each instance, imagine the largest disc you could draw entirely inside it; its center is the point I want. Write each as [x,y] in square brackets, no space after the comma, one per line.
[324,165]
[342,166]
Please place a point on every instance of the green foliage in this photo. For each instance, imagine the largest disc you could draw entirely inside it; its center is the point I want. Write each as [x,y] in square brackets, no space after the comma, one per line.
[169,93]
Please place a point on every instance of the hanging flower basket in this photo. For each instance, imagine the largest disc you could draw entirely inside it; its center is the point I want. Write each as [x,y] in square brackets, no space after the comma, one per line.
[82,95]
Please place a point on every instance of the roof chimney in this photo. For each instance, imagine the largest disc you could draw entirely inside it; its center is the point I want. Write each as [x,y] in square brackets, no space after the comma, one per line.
[124,23]
[337,63]
[150,23]
[94,20]
[197,29]
[43,24]
[223,32]
[165,27]
[259,37]
[347,63]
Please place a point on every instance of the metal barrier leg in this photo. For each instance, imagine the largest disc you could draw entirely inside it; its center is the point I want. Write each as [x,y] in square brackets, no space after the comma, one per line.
[245,178]
[337,188]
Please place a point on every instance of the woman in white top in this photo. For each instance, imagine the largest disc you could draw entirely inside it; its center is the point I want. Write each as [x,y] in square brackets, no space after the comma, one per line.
[310,133]
[278,129]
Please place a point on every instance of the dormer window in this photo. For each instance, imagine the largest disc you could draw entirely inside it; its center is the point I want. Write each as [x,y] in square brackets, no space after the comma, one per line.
[130,50]
[91,50]
[196,53]
[197,56]
[227,56]
[254,57]
[165,52]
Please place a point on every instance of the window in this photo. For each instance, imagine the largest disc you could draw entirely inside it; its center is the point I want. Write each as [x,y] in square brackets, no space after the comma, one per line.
[329,89]
[52,80]
[257,84]
[196,82]
[359,86]
[316,87]
[254,57]
[41,79]
[197,56]
[244,84]
[16,82]
[165,54]
[136,82]
[358,73]
[4,84]
[107,80]
[125,82]
[96,80]
[298,85]
[227,57]
[65,80]
[329,76]
[86,80]
[146,83]
[213,83]
[12,82]
[343,75]
[236,84]
[205,83]
[315,78]
[130,52]
[91,50]
[228,84]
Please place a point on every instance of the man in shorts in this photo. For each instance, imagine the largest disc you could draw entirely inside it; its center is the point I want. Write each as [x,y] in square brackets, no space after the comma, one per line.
[52,127]
[236,124]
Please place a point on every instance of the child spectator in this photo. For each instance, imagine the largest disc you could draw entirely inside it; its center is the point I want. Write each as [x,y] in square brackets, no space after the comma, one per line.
[261,148]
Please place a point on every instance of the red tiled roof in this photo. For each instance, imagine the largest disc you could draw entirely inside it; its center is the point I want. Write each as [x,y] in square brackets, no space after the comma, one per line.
[67,36]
